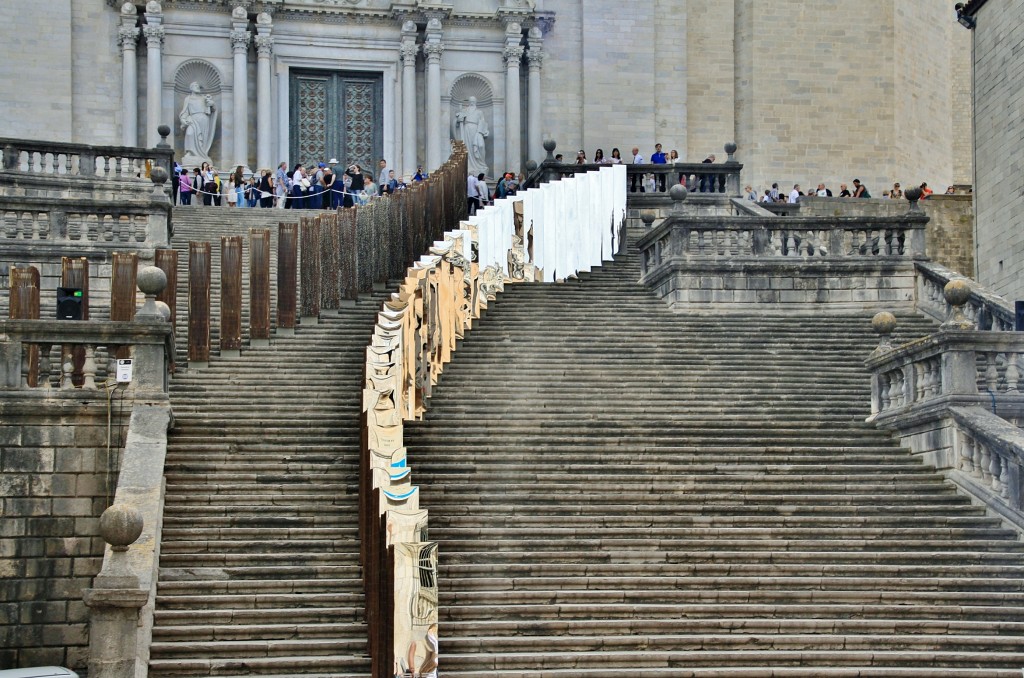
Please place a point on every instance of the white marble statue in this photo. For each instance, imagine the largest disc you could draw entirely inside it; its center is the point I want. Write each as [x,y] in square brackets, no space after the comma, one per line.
[198,121]
[471,128]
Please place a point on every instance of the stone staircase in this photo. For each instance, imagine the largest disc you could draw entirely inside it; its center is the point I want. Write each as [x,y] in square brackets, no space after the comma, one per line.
[259,564]
[618,490]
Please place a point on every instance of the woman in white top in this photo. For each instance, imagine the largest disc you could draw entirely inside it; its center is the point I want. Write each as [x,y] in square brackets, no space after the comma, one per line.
[298,200]
[616,158]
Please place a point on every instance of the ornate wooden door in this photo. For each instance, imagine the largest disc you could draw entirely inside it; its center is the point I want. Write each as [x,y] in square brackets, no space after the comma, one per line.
[336,114]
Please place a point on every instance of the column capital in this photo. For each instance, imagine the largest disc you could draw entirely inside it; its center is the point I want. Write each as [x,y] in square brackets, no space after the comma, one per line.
[154,35]
[127,36]
[513,55]
[433,51]
[535,56]
[264,45]
[408,51]
[240,41]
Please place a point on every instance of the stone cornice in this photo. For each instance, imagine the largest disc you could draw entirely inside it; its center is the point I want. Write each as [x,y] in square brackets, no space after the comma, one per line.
[352,12]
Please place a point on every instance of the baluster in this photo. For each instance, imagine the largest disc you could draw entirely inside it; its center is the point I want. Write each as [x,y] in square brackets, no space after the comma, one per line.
[1012,372]
[935,378]
[89,368]
[791,245]
[920,381]
[67,369]
[966,453]
[996,469]
[984,462]
[776,243]
[884,387]
[44,367]
[991,372]
[901,389]
[700,242]
[894,389]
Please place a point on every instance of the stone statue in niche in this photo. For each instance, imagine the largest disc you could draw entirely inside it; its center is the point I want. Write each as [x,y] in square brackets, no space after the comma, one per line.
[471,129]
[198,121]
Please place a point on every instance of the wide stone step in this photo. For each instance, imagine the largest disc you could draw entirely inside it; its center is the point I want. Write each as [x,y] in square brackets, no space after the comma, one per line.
[253,586]
[723,610]
[702,641]
[685,662]
[251,575]
[295,615]
[264,600]
[339,666]
[458,586]
[229,632]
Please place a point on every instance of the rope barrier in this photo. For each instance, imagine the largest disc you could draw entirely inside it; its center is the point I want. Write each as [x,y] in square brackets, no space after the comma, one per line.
[307,193]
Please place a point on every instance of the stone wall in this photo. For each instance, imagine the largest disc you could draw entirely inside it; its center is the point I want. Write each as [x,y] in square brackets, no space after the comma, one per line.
[56,480]
[999,141]
[950,230]
[34,73]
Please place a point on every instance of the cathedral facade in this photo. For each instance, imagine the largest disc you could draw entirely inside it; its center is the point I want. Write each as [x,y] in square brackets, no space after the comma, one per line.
[810,91]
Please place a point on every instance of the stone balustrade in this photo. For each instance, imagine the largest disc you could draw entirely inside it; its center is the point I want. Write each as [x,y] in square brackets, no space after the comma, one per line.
[22,340]
[86,200]
[985,310]
[122,163]
[955,399]
[748,258]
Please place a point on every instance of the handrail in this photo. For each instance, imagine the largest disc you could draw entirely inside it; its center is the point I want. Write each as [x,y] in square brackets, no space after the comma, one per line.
[128,163]
[415,336]
[987,311]
[950,395]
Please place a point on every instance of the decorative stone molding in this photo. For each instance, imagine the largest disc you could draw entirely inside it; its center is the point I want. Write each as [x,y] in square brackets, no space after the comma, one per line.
[199,71]
[264,45]
[408,51]
[433,51]
[513,55]
[154,35]
[127,37]
[240,41]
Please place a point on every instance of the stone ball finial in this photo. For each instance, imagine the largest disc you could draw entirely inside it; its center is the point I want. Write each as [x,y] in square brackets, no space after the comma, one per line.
[730,147]
[531,165]
[128,9]
[956,292]
[163,130]
[164,309]
[120,525]
[883,323]
[549,145]
[647,216]
[151,280]
[158,175]
[678,193]
[153,7]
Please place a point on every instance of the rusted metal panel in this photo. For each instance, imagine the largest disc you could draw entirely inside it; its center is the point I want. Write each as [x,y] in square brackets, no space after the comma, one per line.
[24,305]
[348,275]
[231,293]
[309,267]
[259,283]
[287,267]
[199,261]
[122,285]
[75,273]
[330,238]
[167,261]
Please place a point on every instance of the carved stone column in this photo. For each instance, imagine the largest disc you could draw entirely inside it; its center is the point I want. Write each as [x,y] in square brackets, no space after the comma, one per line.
[513,125]
[240,50]
[535,57]
[410,138]
[127,36]
[154,32]
[264,48]
[432,49]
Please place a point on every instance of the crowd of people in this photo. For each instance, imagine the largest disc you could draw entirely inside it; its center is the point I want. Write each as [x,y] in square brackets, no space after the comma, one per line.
[478,194]
[321,185]
[774,195]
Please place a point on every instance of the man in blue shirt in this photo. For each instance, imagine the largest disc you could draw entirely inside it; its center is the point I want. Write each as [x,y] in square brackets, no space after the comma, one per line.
[658,158]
